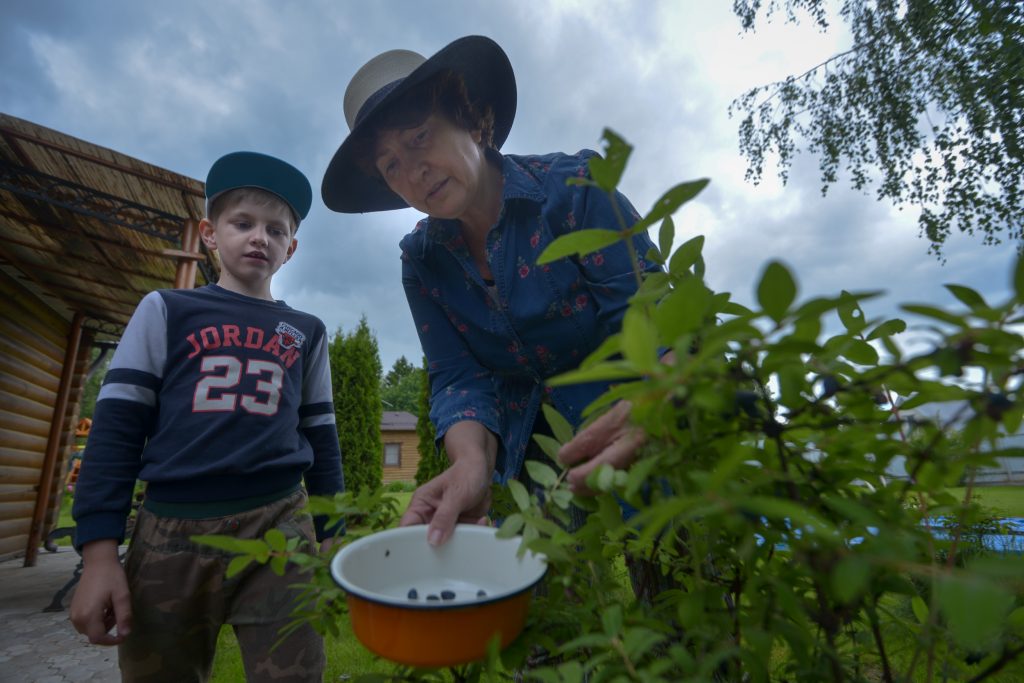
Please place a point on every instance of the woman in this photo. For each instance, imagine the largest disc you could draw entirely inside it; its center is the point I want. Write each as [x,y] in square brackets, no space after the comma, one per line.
[493,324]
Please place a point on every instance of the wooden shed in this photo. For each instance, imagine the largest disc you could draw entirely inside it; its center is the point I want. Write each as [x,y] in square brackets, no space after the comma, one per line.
[401,446]
[85,233]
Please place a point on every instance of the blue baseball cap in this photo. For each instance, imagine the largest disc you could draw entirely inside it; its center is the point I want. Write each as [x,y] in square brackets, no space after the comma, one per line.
[252,169]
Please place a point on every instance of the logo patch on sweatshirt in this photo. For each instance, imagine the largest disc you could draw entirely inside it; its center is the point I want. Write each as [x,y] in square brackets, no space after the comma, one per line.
[291,338]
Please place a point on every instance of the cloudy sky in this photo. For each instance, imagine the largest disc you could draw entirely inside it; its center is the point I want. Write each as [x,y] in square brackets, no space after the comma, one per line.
[179,84]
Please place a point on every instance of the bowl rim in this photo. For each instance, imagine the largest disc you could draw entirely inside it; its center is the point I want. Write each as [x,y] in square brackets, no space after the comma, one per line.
[354,591]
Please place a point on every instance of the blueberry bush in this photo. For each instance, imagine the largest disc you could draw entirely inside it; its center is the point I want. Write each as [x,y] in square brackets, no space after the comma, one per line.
[762,492]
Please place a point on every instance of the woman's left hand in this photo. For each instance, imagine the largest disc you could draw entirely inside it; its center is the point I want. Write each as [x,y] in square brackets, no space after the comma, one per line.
[611,439]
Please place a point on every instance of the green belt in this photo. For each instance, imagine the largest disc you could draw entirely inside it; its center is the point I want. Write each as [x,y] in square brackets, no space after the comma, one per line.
[219,508]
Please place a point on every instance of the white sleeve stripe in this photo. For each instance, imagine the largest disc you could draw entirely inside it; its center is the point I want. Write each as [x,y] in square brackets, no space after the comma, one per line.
[128,392]
[317,420]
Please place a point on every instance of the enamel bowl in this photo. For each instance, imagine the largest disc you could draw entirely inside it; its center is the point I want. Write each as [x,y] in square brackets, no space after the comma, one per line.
[423,606]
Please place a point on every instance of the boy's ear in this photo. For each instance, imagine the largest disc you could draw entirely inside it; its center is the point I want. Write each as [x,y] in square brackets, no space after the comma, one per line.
[291,250]
[208,234]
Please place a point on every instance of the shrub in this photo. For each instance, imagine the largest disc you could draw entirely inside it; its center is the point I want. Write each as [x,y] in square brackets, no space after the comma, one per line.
[762,493]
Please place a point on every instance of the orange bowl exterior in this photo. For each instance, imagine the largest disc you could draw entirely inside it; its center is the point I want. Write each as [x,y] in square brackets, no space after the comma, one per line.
[437,637]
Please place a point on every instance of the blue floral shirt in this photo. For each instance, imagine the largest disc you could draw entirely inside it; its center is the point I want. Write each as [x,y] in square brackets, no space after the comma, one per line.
[490,347]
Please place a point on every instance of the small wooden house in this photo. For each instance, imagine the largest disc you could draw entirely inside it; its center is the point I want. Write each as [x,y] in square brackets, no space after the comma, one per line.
[85,233]
[401,446]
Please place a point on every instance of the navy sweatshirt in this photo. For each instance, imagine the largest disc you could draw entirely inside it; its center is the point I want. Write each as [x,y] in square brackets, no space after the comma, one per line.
[211,396]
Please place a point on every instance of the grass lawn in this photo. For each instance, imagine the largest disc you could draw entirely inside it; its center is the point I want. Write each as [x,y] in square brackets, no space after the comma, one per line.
[346,658]
[1004,501]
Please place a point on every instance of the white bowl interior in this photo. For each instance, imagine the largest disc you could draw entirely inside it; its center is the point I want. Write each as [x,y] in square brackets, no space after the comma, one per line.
[398,567]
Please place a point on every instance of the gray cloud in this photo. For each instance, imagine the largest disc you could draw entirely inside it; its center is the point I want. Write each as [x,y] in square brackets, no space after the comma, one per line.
[180,84]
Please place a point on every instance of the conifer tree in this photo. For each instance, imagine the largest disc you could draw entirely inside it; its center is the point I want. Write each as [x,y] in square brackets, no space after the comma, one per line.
[355,377]
[433,460]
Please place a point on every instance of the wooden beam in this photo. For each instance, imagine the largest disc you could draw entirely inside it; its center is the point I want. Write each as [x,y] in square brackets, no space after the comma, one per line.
[64,149]
[185,277]
[54,441]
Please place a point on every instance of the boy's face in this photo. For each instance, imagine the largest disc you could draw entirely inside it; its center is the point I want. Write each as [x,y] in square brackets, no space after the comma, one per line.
[254,240]
[436,167]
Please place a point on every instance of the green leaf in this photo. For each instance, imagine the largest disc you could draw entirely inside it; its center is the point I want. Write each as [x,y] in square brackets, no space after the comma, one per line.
[920,609]
[666,235]
[776,291]
[669,202]
[275,538]
[686,255]
[682,311]
[936,392]
[850,578]
[510,526]
[860,352]
[733,308]
[888,328]
[231,544]
[588,640]
[792,383]
[237,564]
[541,473]
[519,494]
[607,371]
[934,313]
[607,170]
[611,620]
[278,564]
[968,296]
[560,427]
[601,478]
[975,609]
[578,243]
[850,313]
[638,641]
[548,445]
[1016,619]
[608,348]
[639,340]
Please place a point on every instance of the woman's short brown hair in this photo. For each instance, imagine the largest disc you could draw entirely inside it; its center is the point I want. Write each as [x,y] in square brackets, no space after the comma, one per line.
[444,94]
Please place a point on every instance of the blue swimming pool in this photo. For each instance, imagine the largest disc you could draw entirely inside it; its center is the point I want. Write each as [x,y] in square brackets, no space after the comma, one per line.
[1011,540]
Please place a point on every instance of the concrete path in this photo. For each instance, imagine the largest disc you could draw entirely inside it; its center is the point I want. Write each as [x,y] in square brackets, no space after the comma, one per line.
[37,646]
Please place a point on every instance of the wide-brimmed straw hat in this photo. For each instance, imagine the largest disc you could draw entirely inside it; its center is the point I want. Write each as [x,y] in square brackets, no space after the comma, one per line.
[383,80]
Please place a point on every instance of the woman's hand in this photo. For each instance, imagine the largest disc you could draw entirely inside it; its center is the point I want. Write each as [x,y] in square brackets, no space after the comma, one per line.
[462,493]
[610,439]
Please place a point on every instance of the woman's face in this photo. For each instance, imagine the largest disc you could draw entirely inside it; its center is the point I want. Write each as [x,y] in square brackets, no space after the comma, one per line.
[436,167]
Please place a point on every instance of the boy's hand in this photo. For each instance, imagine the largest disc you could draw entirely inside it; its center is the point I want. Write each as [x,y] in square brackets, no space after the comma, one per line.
[102,600]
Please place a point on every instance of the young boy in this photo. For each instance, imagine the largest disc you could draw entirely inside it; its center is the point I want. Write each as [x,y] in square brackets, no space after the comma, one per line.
[219,399]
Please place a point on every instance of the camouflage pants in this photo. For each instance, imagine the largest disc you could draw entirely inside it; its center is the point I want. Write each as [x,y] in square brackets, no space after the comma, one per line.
[181,598]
